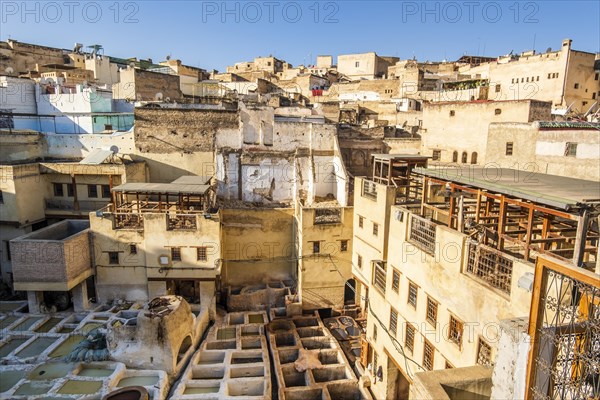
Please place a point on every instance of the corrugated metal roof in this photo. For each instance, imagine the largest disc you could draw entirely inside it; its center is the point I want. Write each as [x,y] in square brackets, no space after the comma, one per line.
[162,188]
[551,190]
[193,180]
[405,156]
[96,156]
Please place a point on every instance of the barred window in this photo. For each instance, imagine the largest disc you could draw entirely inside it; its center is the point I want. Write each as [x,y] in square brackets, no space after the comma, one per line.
[201,254]
[133,249]
[395,280]
[409,338]
[428,352]
[509,148]
[113,257]
[455,331]
[375,229]
[413,291]
[175,254]
[379,275]
[316,247]
[343,245]
[359,261]
[437,155]
[484,353]
[361,222]
[374,332]
[490,266]
[393,321]
[432,309]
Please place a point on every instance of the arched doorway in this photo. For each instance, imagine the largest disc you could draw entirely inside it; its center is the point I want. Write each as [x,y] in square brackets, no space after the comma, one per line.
[350,292]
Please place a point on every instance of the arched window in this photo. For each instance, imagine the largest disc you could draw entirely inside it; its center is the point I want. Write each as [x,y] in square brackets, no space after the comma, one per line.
[465,157]
[474,157]
[455,157]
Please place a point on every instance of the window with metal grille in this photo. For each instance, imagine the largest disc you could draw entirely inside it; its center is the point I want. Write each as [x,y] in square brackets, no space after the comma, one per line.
[343,245]
[361,222]
[409,338]
[379,275]
[359,261]
[113,257]
[175,254]
[428,352]
[422,234]
[484,353]
[455,156]
[369,189]
[413,291]
[58,189]
[393,321]
[374,332]
[509,148]
[132,249]
[375,229]
[490,266]
[375,361]
[395,280]
[201,254]
[432,309]
[92,191]
[105,191]
[571,149]
[455,331]
[316,247]
[436,155]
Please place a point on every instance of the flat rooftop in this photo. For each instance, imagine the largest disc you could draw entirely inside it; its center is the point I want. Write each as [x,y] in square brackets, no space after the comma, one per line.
[58,231]
[551,190]
[402,156]
[163,188]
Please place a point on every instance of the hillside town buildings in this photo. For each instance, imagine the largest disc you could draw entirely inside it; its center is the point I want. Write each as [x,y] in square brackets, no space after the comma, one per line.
[371,228]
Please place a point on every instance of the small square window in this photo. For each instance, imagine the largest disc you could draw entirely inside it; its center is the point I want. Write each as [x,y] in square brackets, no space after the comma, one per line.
[452,113]
[92,191]
[413,291]
[497,111]
[484,353]
[343,246]
[393,322]
[509,148]
[359,261]
[356,64]
[455,331]
[105,191]
[498,88]
[571,149]
[175,254]
[113,257]
[428,354]
[58,189]
[576,86]
[409,338]
[133,249]
[316,247]
[437,155]
[432,310]
[375,229]
[395,280]
[201,254]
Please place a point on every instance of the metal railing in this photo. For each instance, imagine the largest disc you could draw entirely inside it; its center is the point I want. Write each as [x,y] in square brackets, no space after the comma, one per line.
[181,222]
[422,233]
[369,189]
[128,221]
[564,328]
[490,266]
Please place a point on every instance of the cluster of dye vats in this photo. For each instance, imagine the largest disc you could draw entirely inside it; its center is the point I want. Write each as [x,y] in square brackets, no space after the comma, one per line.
[33,349]
[232,363]
[309,363]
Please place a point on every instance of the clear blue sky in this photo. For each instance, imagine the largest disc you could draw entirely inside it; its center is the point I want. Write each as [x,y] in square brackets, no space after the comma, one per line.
[213,34]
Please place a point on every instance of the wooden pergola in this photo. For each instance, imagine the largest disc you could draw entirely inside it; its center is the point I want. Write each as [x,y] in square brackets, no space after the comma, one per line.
[396,170]
[548,214]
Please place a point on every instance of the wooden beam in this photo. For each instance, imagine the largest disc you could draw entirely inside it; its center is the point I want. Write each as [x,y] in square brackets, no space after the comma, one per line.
[528,233]
[580,238]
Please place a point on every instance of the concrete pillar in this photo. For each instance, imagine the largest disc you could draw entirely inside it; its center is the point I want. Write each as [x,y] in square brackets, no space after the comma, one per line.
[512,353]
[34,299]
[80,297]
[207,297]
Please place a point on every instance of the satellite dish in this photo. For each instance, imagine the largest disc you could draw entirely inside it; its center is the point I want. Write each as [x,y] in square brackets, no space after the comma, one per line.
[9,70]
[132,64]
[168,58]
[114,149]
[549,50]
[158,96]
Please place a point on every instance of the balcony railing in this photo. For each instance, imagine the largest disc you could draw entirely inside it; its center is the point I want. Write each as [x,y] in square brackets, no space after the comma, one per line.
[490,266]
[369,189]
[129,221]
[328,216]
[422,233]
[181,222]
